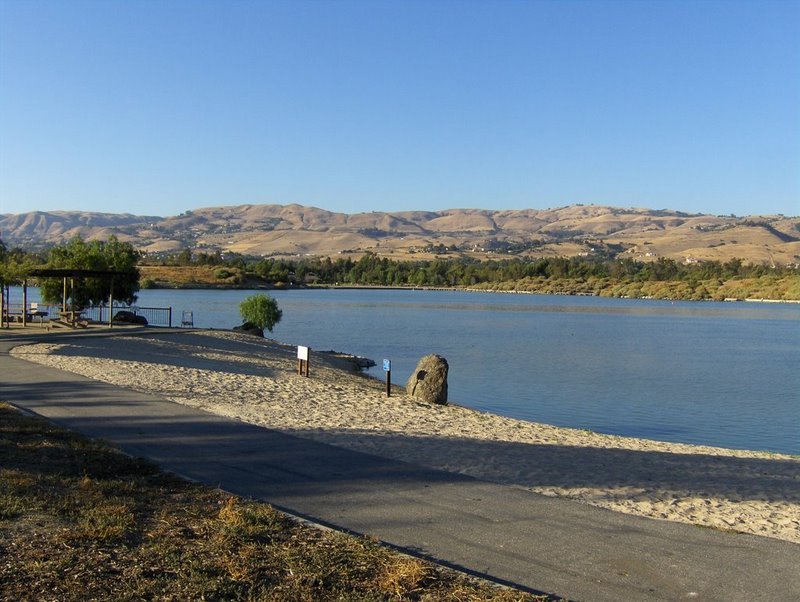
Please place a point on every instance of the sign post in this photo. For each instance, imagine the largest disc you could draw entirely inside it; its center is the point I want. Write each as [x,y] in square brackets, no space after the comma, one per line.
[387,367]
[302,360]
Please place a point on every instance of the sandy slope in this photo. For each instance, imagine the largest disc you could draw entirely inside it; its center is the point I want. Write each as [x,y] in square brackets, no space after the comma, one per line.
[236,375]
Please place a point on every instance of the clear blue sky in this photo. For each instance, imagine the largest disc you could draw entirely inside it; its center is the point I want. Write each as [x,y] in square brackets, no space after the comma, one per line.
[156,107]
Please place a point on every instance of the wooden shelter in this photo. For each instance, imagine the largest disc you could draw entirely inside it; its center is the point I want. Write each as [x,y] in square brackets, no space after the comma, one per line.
[68,315]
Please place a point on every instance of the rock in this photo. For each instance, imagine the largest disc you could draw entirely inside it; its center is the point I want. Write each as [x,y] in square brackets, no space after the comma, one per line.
[250,328]
[429,381]
[128,317]
[356,363]
[362,363]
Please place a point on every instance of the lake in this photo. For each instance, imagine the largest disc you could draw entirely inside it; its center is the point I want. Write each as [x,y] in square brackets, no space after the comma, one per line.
[725,374]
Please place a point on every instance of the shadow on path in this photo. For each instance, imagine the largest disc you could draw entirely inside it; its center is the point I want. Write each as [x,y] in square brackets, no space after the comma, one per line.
[536,465]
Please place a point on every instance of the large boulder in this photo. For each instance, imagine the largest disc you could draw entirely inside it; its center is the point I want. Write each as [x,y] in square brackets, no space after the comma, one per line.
[429,381]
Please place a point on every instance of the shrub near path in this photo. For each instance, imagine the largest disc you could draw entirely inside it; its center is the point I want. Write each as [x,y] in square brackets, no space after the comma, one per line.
[80,520]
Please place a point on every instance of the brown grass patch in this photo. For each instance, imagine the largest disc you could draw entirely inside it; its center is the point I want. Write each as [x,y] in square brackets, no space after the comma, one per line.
[79,520]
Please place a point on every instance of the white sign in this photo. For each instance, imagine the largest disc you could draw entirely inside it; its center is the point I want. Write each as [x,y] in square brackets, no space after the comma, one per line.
[302,353]
[387,365]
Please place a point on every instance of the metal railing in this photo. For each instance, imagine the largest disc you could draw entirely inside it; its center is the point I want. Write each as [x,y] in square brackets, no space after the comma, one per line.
[155,316]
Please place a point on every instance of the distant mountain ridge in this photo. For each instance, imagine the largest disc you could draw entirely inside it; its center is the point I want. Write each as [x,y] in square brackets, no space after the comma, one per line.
[296,230]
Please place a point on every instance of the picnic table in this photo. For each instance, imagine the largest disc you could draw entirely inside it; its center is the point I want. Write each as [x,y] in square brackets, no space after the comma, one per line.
[37,313]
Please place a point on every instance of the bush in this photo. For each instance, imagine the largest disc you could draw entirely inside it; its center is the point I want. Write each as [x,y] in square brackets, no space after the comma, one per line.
[261,310]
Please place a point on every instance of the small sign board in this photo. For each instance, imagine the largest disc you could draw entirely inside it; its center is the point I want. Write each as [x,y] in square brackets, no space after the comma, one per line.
[387,365]
[302,353]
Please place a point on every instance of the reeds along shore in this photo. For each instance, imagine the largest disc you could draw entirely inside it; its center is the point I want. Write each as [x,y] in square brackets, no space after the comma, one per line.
[255,380]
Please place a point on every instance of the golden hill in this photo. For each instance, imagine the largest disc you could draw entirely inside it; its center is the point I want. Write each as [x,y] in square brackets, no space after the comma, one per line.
[295,230]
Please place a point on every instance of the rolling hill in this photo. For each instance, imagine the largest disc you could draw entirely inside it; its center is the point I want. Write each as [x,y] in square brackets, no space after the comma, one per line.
[295,230]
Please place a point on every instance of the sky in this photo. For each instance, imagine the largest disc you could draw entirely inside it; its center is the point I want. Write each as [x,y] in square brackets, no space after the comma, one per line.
[158,107]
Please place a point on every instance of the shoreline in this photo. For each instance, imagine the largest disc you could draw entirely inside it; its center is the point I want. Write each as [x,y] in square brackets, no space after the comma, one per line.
[464,289]
[254,380]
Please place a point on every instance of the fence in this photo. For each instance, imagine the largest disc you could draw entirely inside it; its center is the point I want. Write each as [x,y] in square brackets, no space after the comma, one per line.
[155,316]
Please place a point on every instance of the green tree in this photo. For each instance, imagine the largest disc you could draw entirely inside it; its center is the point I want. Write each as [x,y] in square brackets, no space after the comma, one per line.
[261,310]
[4,268]
[184,258]
[78,254]
[16,263]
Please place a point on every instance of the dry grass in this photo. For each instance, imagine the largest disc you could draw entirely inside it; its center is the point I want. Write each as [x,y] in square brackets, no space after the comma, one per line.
[79,521]
[188,276]
[785,288]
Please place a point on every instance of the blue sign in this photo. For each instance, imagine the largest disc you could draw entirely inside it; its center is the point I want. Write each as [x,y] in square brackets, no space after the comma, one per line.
[387,365]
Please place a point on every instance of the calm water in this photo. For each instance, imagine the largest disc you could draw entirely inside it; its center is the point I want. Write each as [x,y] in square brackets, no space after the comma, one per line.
[724,374]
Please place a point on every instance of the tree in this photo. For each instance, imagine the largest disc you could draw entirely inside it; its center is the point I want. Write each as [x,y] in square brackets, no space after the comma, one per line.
[4,270]
[260,310]
[184,258]
[16,263]
[77,254]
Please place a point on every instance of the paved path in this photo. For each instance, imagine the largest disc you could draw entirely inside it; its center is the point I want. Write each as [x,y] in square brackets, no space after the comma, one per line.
[540,543]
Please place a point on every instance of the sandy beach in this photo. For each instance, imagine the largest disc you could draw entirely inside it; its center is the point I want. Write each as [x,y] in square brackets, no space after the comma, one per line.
[254,380]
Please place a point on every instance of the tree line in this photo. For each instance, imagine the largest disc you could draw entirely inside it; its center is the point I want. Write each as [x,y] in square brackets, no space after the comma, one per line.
[372,270]
[594,275]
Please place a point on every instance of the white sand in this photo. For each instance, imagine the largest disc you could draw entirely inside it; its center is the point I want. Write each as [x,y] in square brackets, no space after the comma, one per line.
[240,376]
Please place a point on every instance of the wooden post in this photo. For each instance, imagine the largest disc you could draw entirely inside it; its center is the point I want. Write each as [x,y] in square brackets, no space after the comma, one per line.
[302,367]
[74,318]
[24,302]
[7,309]
[110,305]
[303,357]
[387,367]
[64,300]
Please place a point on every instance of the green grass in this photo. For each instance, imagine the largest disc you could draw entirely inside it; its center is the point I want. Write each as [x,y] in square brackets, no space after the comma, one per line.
[79,520]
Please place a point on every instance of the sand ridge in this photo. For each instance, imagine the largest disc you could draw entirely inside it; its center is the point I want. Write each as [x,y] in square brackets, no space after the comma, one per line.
[254,380]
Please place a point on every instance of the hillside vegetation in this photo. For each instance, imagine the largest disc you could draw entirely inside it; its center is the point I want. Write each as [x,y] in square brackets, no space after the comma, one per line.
[663,279]
[763,288]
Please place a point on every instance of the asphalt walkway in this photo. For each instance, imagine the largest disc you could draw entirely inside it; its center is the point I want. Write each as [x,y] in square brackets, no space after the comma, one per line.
[539,543]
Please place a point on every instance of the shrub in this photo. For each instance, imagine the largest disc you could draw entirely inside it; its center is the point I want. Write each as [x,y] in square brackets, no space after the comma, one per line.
[260,310]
